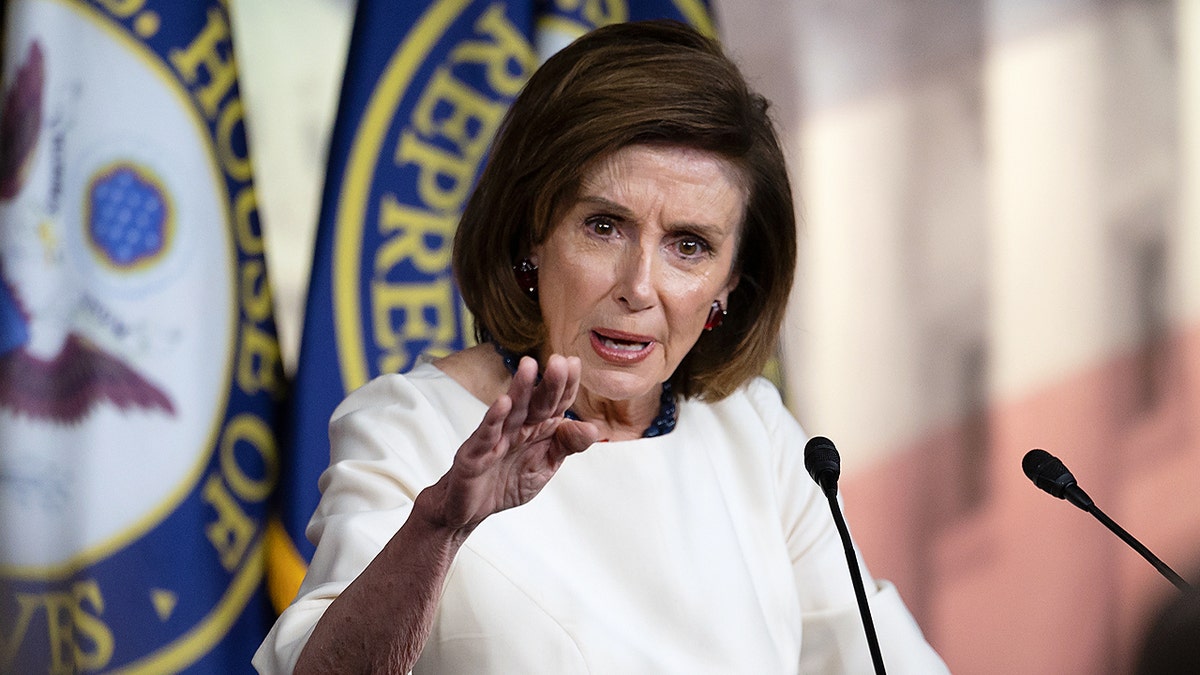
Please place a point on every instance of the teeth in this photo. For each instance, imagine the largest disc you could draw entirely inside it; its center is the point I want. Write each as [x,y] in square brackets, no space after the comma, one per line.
[624,346]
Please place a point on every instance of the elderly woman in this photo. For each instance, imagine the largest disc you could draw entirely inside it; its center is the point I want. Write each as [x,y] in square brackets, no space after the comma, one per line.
[627,256]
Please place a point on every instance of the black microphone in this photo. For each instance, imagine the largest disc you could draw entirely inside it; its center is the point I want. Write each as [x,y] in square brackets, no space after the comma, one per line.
[1050,474]
[823,463]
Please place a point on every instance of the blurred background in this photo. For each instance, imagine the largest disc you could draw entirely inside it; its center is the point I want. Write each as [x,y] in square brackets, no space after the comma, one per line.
[1000,203]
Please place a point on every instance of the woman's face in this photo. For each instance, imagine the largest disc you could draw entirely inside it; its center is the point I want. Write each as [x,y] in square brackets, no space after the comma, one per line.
[632,266]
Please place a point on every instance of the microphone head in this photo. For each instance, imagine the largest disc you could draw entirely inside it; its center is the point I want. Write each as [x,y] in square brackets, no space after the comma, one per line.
[1051,475]
[823,462]
[1047,472]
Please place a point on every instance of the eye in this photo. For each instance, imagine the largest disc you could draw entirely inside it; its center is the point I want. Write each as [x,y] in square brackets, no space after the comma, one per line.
[691,247]
[602,226]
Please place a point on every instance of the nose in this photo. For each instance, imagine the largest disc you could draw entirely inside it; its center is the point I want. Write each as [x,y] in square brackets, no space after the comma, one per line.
[635,284]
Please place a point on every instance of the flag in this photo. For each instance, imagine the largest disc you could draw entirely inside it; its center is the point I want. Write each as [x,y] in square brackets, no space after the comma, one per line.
[425,87]
[139,367]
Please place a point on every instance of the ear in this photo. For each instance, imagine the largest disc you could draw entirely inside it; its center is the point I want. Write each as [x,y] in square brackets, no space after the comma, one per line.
[723,296]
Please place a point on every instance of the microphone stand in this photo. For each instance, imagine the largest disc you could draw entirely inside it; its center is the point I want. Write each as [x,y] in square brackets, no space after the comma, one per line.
[1137,546]
[1049,474]
[860,592]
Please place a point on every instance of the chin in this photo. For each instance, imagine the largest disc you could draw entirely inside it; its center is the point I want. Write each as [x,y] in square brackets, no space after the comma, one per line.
[620,385]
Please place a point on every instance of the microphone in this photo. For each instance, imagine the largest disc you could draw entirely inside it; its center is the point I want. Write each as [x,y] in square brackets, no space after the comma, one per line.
[823,463]
[1051,475]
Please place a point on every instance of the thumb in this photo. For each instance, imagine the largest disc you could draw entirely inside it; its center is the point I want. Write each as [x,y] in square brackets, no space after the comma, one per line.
[574,436]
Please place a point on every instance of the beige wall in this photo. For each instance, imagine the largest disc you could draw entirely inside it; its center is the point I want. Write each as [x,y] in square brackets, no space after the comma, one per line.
[290,56]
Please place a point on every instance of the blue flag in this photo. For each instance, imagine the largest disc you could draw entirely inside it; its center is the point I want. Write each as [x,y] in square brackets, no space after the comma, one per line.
[425,88]
[139,367]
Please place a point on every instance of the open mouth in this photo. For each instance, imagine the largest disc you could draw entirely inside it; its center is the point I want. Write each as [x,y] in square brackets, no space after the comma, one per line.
[621,347]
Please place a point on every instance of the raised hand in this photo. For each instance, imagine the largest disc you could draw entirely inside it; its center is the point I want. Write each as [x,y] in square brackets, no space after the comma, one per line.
[517,448]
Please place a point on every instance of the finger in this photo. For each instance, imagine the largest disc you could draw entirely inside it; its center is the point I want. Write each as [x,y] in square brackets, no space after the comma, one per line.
[570,386]
[573,436]
[547,395]
[487,435]
[520,391]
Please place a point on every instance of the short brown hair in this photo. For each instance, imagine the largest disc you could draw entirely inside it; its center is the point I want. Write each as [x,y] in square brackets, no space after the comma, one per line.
[642,82]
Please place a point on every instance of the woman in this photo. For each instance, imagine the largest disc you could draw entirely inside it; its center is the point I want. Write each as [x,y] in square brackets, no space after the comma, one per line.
[627,255]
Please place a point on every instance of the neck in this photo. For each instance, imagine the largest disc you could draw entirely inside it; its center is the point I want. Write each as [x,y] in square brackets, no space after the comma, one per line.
[618,420]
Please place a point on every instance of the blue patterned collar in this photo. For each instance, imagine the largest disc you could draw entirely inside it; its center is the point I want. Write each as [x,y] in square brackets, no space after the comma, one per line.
[664,423]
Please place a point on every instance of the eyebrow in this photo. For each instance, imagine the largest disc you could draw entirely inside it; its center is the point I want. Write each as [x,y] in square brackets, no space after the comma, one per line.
[706,230]
[607,205]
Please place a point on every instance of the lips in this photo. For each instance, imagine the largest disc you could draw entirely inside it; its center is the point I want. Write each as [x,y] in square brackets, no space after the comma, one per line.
[621,348]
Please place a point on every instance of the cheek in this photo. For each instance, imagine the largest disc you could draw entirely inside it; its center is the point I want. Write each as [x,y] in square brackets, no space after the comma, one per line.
[694,295]
[686,317]
[566,295]
[575,278]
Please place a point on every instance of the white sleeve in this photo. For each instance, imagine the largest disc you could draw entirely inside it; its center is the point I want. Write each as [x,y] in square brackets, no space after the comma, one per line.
[835,641]
[367,493]
[833,638]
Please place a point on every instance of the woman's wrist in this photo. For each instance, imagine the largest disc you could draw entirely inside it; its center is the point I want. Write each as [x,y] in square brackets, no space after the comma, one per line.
[431,514]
